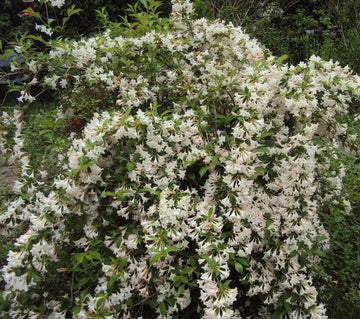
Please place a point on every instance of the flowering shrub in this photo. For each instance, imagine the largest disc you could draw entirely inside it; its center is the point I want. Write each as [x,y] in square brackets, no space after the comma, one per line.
[194,193]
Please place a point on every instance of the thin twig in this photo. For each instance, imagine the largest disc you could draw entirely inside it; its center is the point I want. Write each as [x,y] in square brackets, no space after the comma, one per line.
[37,95]
[4,99]
[231,97]
[142,301]
[46,12]
[72,286]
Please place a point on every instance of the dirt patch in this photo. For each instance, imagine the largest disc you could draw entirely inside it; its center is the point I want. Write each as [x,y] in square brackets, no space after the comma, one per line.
[8,175]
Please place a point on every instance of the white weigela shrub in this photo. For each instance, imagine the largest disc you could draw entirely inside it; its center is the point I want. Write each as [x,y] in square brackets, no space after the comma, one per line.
[197,195]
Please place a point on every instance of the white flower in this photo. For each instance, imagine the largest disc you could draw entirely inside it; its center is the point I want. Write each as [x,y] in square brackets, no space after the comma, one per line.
[131,241]
[25,97]
[43,29]
[318,312]
[182,7]
[56,3]
[33,66]
[43,248]
[63,83]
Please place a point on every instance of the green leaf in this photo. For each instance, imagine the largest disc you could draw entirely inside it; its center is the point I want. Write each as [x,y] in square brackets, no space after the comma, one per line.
[282,58]
[232,200]
[36,38]
[239,267]
[83,282]
[172,249]
[193,261]
[123,192]
[32,13]
[321,238]
[147,190]
[108,194]
[259,171]
[287,307]
[152,250]
[243,261]
[263,149]
[83,294]
[130,166]
[209,260]
[163,114]
[203,171]
[319,252]
[79,258]
[187,270]
[276,314]
[163,308]
[95,254]
[227,283]
[33,274]
[85,163]
[118,241]
[154,259]
[111,282]
[171,301]
[266,134]
[181,290]
[76,309]
[100,302]
[215,161]
[181,279]
[268,222]
[47,209]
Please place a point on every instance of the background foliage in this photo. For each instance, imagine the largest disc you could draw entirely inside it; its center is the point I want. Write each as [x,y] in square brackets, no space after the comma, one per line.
[13,24]
[298,28]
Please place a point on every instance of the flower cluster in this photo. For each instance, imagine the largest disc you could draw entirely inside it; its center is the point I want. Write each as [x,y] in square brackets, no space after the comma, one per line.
[44,29]
[197,193]
[55,3]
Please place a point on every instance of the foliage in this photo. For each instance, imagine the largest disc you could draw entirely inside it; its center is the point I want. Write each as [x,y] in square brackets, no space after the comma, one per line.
[298,28]
[194,188]
[342,264]
[14,24]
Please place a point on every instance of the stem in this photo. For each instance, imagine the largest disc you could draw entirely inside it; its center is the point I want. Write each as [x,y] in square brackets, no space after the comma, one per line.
[142,301]
[231,97]
[41,92]
[47,12]
[4,99]
[72,287]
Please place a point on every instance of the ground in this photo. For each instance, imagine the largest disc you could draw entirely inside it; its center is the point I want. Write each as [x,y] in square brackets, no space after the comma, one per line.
[7,175]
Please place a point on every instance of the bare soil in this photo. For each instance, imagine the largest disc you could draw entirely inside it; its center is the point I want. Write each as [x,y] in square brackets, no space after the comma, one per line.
[7,175]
